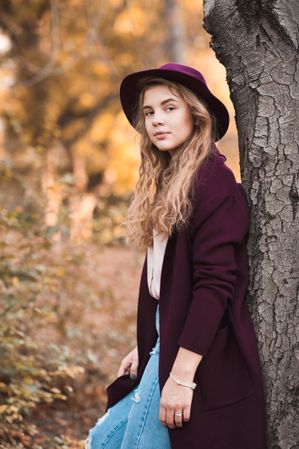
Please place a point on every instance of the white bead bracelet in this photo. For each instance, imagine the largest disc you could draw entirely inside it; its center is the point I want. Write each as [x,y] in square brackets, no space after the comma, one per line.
[192,386]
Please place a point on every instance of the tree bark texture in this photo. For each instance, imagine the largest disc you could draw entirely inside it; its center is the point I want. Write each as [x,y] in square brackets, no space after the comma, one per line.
[257,41]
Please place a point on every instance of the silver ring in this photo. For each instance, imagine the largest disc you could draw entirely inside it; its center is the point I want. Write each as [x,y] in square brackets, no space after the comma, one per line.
[178,414]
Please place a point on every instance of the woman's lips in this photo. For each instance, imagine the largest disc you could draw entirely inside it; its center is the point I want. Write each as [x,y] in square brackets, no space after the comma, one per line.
[161,136]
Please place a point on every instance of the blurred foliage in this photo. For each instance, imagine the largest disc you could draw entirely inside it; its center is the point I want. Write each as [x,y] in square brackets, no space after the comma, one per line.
[68,165]
[29,369]
[51,349]
[62,124]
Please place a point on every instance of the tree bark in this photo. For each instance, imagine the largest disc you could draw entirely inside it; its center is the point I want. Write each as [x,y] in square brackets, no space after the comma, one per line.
[257,42]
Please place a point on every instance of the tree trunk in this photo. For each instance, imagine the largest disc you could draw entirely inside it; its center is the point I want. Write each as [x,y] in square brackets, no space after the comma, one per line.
[175,42]
[257,42]
[82,203]
[51,188]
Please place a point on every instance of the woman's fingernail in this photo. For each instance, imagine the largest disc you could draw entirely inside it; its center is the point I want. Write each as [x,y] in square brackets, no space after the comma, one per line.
[133,376]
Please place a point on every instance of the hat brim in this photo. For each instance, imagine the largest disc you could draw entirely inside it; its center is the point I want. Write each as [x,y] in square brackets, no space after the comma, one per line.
[129,94]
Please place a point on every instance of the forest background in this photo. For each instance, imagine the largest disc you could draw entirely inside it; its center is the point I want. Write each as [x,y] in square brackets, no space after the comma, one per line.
[68,166]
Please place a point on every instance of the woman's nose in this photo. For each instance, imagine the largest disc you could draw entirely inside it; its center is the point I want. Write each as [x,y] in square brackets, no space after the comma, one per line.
[157,119]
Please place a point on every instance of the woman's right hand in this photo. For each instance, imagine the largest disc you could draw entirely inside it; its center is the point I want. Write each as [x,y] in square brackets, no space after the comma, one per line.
[129,364]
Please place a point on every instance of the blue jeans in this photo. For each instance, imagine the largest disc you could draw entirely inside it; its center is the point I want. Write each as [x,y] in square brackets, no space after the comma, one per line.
[133,422]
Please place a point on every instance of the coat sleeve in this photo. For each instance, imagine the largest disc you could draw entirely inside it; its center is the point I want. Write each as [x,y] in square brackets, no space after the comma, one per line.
[219,225]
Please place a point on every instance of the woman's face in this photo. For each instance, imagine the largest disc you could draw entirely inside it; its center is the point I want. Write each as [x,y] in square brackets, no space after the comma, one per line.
[168,120]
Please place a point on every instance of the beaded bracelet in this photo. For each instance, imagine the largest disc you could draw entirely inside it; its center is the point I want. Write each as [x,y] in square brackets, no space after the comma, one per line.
[192,386]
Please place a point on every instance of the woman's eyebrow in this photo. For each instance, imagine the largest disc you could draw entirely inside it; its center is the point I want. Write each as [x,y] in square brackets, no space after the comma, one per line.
[162,102]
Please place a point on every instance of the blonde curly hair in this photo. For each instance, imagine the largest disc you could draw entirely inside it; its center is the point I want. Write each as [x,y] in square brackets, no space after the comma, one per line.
[163,192]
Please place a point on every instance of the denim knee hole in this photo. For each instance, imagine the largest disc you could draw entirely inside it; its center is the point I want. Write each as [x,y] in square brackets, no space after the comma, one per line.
[136,397]
[89,438]
[155,349]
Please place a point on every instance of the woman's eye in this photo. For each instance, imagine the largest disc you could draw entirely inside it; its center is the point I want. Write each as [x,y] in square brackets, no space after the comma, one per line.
[170,108]
[147,113]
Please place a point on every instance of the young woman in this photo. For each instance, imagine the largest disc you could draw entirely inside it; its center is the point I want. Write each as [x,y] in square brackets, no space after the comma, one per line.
[194,379]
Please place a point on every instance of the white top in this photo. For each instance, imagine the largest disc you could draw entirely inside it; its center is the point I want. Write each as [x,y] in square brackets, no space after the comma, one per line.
[155,256]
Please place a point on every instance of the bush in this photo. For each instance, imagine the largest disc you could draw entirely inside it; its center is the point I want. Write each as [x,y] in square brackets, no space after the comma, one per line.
[32,371]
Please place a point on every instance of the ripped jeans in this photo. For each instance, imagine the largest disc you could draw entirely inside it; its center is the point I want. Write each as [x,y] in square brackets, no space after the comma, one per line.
[133,422]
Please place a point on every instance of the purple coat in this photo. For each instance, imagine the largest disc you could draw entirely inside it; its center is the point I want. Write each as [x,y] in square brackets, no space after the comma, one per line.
[202,308]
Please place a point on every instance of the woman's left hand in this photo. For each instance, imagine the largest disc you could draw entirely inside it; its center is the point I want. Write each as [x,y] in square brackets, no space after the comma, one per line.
[175,399]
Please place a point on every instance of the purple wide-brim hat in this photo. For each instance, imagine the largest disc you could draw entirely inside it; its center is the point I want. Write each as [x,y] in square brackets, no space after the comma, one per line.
[188,77]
